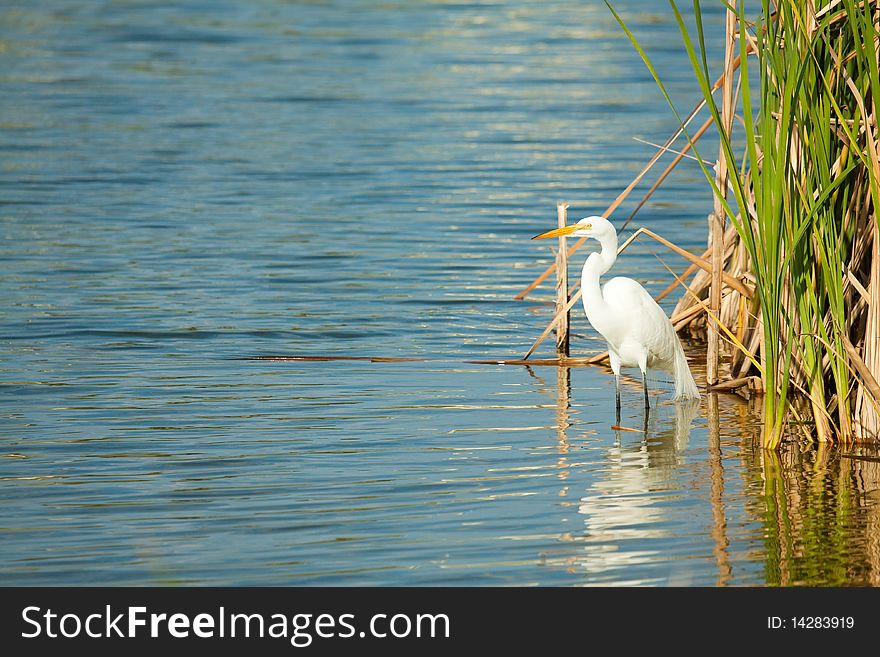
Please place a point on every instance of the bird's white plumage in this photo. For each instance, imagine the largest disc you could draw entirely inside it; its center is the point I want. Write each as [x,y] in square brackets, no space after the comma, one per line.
[638,332]
[638,327]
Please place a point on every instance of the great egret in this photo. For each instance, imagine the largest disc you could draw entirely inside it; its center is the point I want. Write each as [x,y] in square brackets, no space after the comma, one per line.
[637,330]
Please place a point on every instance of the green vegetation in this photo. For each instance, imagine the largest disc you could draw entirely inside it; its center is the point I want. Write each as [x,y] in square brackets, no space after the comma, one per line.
[805,181]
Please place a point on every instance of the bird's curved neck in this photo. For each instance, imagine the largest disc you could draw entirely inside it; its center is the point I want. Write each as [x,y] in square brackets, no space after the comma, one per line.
[596,265]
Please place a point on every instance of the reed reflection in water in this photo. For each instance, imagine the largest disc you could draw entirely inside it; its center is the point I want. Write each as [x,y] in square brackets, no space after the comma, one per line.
[813,509]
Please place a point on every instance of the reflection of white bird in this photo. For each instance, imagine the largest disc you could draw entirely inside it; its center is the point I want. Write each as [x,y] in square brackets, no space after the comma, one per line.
[629,522]
[684,417]
[637,330]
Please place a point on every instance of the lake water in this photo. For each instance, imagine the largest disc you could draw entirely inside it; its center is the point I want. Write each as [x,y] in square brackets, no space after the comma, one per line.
[184,186]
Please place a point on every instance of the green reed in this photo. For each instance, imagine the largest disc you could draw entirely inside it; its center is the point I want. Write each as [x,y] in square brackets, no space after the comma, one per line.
[805,189]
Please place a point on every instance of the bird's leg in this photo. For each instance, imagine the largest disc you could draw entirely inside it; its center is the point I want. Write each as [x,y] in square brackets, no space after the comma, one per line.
[647,403]
[617,390]
[614,359]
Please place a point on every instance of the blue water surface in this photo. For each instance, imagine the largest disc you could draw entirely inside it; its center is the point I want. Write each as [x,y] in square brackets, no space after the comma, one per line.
[184,186]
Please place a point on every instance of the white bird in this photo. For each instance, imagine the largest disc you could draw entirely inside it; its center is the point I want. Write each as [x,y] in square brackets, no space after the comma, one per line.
[636,329]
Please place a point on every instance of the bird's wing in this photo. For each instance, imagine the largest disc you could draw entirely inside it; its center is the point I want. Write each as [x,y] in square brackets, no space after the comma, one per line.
[647,324]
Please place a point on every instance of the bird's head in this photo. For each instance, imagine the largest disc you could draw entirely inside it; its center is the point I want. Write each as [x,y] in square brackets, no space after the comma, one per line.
[595,227]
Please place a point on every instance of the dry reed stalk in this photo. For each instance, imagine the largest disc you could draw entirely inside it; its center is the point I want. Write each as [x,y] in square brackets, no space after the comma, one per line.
[687,272]
[573,300]
[731,302]
[700,284]
[867,421]
[728,280]
[562,326]
[662,177]
[546,362]
[635,181]
[684,317]
[699,262]
[717,218]
[747,333]
[754,346]
[684,275]
[733,384]
[730,336]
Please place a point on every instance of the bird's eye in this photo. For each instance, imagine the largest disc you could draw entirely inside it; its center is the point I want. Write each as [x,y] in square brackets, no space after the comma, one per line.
[588,226]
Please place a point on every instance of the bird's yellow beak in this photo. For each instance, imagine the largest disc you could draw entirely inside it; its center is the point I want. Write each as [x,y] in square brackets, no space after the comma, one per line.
[558,232]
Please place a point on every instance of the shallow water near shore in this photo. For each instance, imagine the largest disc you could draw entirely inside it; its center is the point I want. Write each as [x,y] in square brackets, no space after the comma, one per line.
[185,187]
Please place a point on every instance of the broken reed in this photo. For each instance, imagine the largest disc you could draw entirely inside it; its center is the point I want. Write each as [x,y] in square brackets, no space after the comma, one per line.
[805,189]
